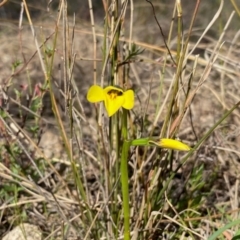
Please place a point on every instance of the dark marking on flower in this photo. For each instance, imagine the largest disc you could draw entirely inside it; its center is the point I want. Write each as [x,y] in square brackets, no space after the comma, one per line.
[114,93]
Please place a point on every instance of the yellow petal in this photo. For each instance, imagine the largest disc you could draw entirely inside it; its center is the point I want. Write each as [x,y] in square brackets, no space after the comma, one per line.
[112,105]
[114,99]
[109,88]
[172,144]
[95,94]
[128,99]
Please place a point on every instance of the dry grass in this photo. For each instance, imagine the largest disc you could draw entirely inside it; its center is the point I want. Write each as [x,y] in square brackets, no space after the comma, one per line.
[36,175]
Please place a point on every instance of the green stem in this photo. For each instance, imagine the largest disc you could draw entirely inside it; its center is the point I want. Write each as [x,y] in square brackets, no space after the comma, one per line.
[124,176]
[125,189]
[124,124]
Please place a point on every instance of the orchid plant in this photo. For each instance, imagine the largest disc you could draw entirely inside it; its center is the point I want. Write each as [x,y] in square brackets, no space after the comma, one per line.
[114,99]
[113,96]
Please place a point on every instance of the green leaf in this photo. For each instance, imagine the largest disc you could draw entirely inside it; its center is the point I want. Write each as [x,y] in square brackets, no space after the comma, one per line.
[226,227]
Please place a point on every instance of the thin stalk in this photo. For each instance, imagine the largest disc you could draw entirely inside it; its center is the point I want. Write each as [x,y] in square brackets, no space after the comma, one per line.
[59,121]
[180,40]
[124,176]
[178,74]
[235,7]
[125,189]
[114,80]
[94,42]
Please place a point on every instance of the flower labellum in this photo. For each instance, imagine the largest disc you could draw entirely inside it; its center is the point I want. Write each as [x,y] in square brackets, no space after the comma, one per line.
[171,144]
[113,97]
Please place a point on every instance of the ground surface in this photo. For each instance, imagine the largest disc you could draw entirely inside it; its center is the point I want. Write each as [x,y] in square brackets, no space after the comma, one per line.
[220,152]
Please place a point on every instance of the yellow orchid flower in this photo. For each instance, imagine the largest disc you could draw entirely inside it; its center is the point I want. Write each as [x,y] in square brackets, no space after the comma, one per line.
[171,144]
[113,97]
